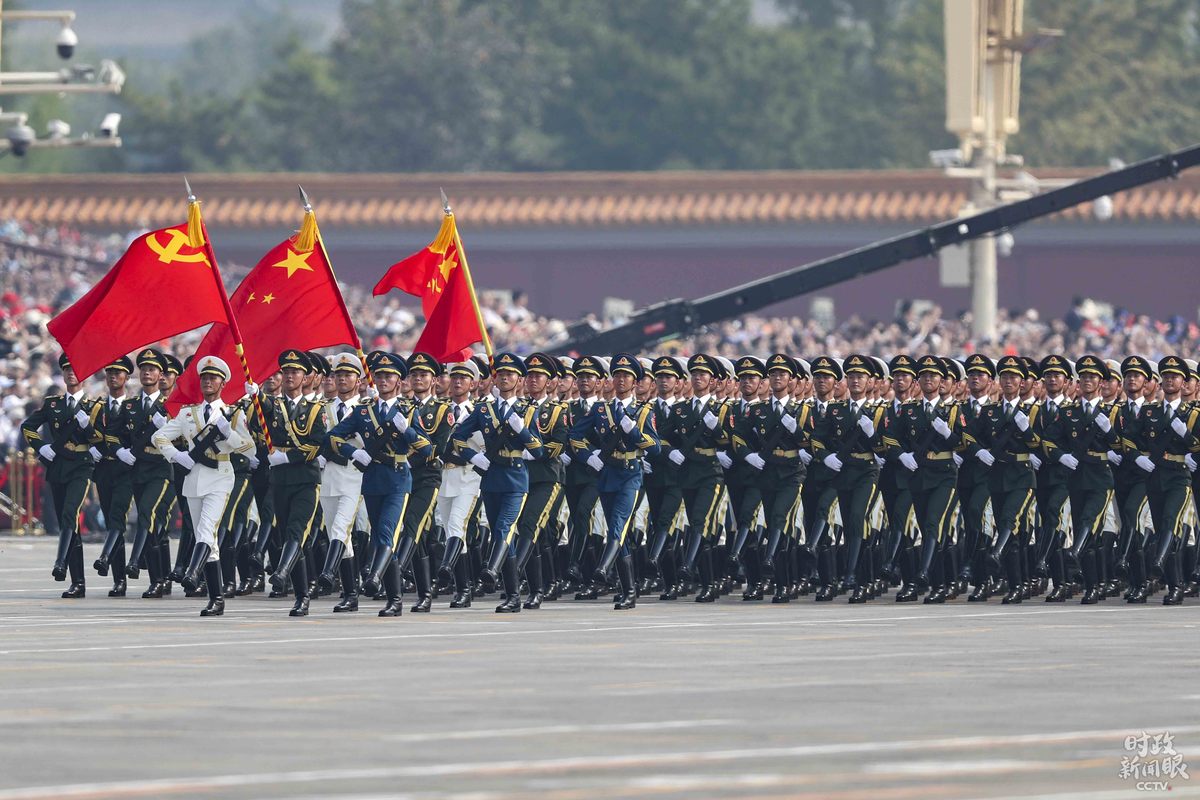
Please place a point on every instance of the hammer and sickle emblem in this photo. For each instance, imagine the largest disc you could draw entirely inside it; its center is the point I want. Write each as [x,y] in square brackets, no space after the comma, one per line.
[170,252]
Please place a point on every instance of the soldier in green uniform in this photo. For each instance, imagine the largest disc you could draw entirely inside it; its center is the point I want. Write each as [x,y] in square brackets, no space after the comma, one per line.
[67,455]
[1054,474]
[846,440]
[663,493]
[113,476]
[1129,479]
[973,473]
[820,489]
[297,431]
[742,479]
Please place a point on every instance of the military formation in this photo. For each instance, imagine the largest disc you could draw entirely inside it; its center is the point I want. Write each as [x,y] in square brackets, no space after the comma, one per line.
[537,479]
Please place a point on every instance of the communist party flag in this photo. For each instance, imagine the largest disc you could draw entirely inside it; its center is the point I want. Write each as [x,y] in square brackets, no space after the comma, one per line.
[425,273]
[165,284]
[290,300]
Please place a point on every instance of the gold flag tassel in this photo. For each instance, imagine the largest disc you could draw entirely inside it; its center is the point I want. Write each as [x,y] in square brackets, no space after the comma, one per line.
[306,238]
[195,229]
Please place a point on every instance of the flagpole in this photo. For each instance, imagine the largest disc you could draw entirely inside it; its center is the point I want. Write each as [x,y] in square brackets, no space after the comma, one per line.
[462,254]
[194,212]
[362,357]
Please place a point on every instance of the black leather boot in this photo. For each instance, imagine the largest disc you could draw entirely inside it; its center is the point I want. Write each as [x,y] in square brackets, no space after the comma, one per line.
[216,599]
[65,537]
[424,589]
[111,539]
[445,573]
[628,599]
[349,575]
[191,576]
[512,588]
[609,557]
[289,561]
[375,569]
[333,560]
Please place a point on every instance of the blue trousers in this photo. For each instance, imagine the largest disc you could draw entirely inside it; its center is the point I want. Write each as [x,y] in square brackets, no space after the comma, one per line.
[386,513]
[618,513]
[503,509]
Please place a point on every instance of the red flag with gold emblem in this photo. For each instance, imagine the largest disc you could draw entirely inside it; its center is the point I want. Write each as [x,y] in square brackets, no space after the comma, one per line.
[164,285]
[425,273]
[290,300]
[453,326]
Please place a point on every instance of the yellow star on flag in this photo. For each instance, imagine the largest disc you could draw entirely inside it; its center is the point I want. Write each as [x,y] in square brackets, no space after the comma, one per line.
[294,262]
[444,268]
[268,298]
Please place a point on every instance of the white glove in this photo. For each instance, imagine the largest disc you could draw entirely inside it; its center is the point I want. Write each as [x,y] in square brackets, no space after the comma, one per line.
[1177,425]
[646,468]
[527,456]
[1115,458]
[565,459]
[361,456]
[81,418]
[1145,463]
[46,452]
[627,424]
[159,420]
[223,425]
[1021,420]
[1102,423]
[805,457]
[879,462]
[516,423]
[481,461]
[1069,461]
[321,462]
[711,420]
[275,458]
[789,422]
[909,461]
[184,460]
[254,462]
[676,457]
[755,460]
[1037,462]
[724,460]
[957,459]
[370,393]
[942,428]
[595,462]
[251,388]
[833,462]
[986,457]
[400,421]
[126,455]
[94,453]
[867,426]
[1191,462]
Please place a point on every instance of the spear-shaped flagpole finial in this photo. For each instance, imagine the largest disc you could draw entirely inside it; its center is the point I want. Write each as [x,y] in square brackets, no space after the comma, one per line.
[304,199]
[445,203]
[191,196]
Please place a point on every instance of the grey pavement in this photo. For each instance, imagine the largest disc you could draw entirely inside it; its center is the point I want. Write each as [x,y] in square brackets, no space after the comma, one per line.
[127,697]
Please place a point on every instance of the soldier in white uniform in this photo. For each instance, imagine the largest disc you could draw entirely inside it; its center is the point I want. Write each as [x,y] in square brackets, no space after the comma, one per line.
[341,487]
[458,500]
[211,436]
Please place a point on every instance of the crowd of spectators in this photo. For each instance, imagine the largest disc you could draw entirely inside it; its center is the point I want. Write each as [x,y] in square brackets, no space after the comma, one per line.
[45,269]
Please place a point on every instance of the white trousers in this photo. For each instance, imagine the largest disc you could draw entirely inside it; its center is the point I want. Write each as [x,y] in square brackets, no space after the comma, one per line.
[340,513]
[453,513]
[206,511]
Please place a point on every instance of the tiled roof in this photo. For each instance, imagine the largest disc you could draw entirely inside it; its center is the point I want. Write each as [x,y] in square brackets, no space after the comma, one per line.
[545,199]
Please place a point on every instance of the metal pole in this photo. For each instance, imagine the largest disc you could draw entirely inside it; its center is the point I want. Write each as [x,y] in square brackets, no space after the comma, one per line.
[984,294]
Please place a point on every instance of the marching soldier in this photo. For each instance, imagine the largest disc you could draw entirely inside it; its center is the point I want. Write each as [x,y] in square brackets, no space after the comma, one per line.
[581,479]
[508,444]
[695,431]
[846,441]
[1008,440]
[296,429]
[458,501]
[341,488]
[211,438]
[1129,478]
[68,456]
[661,483]
[114,480]
[742,479]
[1054,475]
[548,418]
[434,422]
[152,476]
[389,440]
[973,474]
[1169,436]
[819,490]
[612,439]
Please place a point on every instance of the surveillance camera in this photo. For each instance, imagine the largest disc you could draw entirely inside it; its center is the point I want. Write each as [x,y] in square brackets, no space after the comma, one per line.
[1004,244]
[20,136]
[57,129]
[66,42]
[947,158]
[110,124]
[1102,207]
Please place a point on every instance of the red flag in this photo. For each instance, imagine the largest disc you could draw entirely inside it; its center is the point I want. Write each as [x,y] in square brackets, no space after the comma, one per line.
[162,286]
[425,273]
[453,326]
[290,300]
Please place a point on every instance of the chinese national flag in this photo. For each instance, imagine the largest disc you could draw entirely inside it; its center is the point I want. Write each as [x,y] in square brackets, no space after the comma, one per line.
[162,286]
[290,300]
[425,273]
[453,325]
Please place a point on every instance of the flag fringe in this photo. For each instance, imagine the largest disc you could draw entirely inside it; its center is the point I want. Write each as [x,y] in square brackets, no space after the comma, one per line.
[306,238]
[445,236]
[195,227]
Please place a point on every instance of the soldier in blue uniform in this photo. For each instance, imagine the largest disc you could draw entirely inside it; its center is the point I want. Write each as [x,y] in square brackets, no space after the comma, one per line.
[613,439]
[390,438]
[508,444]
[69,461]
